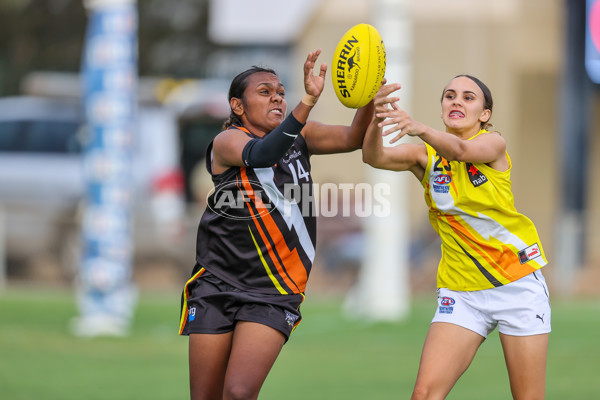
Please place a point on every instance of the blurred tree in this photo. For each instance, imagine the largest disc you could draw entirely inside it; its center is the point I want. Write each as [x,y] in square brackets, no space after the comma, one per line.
[47,35]
[173,38]
[38,35]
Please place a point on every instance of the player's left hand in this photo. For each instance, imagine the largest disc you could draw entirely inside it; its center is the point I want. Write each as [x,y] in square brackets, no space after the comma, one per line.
[314,84]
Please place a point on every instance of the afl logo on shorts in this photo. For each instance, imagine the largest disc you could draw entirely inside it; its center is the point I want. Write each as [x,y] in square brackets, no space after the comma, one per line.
[447,301]
[446,305]
[442,179]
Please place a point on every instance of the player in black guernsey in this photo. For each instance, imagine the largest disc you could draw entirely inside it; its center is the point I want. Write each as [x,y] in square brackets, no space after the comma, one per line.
[256,238]
[264,205]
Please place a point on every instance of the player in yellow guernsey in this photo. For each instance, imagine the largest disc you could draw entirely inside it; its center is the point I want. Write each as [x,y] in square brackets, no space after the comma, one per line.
[489,274]
[471,207]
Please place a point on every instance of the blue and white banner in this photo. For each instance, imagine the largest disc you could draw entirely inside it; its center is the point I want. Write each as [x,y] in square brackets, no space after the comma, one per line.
[106,294]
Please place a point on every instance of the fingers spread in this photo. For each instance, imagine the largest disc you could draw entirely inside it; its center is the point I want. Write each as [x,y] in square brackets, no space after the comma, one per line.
[397,137]
[323,70]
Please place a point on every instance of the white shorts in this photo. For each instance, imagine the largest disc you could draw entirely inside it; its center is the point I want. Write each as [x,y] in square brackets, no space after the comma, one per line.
[520,308]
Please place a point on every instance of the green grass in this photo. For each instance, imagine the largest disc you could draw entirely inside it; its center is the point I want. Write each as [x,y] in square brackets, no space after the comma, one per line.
[328,356]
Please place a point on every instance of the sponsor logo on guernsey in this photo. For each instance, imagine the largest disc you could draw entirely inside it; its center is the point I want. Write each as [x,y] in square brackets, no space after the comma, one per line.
[290,318]
[440,183]
[446,305]
[529,253]
[290,156]
[475,175]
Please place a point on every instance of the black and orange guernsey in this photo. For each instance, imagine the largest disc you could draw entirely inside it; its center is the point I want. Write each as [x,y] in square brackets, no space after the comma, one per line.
[258,232]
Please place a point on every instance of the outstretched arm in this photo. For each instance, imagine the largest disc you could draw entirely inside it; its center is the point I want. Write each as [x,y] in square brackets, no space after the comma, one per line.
[403,157]
[328,139]
[487,149]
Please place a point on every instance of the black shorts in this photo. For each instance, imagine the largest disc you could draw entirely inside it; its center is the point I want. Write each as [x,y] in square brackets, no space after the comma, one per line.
[210,305]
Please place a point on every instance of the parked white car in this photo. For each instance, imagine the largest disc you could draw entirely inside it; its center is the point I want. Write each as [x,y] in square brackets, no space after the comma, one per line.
[42,182]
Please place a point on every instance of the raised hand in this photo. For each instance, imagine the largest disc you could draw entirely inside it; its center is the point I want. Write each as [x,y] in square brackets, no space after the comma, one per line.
[314,84]
[383,101]
[391,116]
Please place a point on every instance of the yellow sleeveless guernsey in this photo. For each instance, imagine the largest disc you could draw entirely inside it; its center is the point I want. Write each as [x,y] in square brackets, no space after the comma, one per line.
[485,242]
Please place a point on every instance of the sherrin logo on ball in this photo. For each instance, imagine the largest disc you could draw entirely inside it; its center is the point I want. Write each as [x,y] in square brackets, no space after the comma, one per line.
[358,65]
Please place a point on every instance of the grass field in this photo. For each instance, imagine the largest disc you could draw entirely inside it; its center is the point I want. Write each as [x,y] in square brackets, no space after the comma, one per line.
[328,356]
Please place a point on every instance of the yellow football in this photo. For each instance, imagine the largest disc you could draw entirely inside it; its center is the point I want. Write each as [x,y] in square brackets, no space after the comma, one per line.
[358,65]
